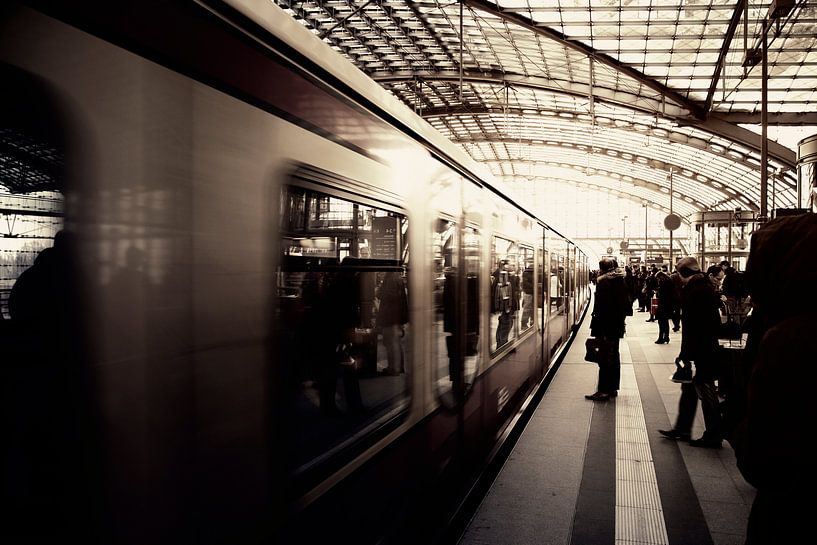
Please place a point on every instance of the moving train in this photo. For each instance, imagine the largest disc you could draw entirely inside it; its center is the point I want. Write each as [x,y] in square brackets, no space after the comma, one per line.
[281,308]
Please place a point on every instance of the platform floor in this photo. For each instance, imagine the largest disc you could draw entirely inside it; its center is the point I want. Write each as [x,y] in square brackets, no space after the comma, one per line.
[597,473]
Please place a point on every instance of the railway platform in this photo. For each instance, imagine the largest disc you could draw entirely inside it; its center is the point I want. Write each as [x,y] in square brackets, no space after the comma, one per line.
[596,473]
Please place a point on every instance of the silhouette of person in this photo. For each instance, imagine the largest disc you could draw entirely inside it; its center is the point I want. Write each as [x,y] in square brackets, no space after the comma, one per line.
[340,315]
[527,297]
[392,316]
[699,344]
[771,444]
[41,299]
[50,484]
[607,323]
[502,300]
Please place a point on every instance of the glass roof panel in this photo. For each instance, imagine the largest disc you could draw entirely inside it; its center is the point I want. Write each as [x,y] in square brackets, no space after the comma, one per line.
[643,103]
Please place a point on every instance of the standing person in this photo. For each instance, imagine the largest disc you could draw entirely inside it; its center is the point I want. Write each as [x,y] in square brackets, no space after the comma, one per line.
[666,303]
[392,316]
[772,451]
[699,344]
[678,286]
[650,287]
[715,274]
[527,297]
[642,289]
[609,311]
[631,282]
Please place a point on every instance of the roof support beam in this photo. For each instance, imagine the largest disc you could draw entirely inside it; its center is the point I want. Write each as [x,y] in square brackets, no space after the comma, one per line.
[787,118]
[489,7]
[653,203]
[677,137]
[724,127]
[581,90]
[727,42]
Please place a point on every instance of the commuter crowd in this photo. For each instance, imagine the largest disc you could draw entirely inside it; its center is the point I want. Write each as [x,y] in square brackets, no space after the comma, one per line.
[758,398]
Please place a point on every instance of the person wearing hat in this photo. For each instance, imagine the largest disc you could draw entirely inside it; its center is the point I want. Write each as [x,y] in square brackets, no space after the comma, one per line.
[699,344]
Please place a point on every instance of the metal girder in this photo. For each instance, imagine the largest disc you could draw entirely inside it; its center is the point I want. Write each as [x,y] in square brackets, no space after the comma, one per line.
[626,194]
[791,118]
[645,162]
[716,124]
[695,108]
[631,101]
[727,43]
[677,137]
[637,182]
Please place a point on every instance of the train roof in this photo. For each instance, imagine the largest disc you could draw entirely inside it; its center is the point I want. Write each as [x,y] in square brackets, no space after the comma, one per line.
[276,21]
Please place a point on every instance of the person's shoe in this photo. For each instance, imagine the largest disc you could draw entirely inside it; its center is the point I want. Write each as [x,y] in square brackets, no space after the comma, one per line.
[672,434]
[662,341]
[706,443]
[598,396]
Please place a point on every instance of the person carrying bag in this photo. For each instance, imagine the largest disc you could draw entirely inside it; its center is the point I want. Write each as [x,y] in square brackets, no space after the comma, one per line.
[607,327]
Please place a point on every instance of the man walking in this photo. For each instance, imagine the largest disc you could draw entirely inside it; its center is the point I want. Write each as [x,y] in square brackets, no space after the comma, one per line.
[699,344]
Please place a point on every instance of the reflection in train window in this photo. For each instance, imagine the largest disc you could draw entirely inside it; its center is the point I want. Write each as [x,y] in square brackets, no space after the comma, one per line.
[505,292]
[556,286]
[342,318]
[526,316]
[455,349]
[541,284]
[472,249]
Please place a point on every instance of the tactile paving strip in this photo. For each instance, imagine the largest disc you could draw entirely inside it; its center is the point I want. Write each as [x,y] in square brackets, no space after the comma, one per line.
[639,516]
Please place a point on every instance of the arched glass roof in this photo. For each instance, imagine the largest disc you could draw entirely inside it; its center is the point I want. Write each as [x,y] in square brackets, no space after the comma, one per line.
[615,94]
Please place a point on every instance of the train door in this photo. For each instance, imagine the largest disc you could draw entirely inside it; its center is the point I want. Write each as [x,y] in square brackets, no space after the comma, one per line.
[573,295]
[542,267]
[456,326]
[568,284]
[556,291]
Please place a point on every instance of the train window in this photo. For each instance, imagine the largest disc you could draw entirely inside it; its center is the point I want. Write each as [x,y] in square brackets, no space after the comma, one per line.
[505,292]
[342,318]
[444,245]
[555,284]
[526,317]
[541,284]
[455,349]
[472,249]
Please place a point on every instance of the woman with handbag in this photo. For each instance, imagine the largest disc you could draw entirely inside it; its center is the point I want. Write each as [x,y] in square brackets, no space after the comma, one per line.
[607,325]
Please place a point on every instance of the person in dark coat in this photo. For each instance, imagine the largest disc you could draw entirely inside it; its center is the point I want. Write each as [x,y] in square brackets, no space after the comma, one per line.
[771,444]
[631,281]
[392,316]
[650,287]
[607,323]
[678,286]
[699,344]
[666,304]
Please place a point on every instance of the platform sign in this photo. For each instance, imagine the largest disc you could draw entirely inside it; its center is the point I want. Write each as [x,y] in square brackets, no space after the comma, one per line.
[311,247]
[672,222]
[386,237]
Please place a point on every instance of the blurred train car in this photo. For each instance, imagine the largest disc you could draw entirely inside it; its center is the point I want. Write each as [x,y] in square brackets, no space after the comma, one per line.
[282,308]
